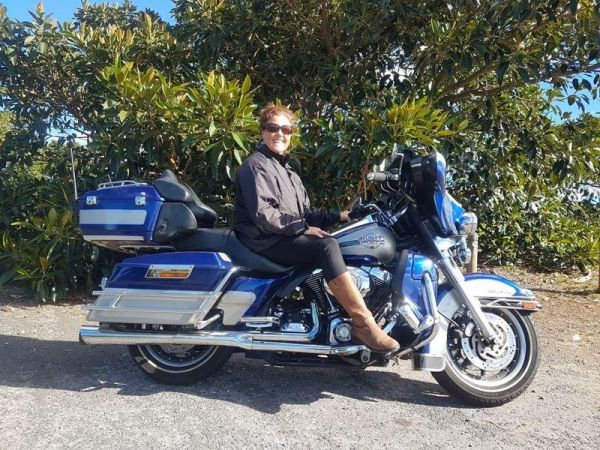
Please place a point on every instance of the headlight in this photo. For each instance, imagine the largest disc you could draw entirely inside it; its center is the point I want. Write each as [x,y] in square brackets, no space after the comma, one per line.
[468,223]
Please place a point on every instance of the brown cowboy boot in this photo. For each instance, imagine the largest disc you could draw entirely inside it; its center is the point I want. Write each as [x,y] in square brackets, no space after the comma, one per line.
[364,327]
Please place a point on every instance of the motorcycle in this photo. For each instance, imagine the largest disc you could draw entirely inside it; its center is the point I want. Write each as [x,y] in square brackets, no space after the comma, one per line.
[192,294]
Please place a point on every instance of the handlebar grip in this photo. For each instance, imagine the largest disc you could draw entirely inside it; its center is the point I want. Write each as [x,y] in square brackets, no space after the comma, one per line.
[377,176]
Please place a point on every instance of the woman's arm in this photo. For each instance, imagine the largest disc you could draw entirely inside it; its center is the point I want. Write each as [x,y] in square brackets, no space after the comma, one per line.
[322,218]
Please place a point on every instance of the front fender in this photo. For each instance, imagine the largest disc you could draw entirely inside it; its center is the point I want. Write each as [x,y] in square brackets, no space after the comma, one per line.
[486,287]
[491,291]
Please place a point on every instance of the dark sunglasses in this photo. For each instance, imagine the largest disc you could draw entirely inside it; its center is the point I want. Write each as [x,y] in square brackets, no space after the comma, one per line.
[274,128]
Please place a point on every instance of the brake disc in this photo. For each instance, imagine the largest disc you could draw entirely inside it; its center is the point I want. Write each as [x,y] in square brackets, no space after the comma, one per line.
[491,357]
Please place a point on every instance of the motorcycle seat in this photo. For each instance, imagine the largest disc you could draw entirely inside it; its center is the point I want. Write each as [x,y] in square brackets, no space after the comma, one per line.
[224,240]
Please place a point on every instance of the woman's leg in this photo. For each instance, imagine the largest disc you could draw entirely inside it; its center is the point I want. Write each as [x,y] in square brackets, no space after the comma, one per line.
[326,253]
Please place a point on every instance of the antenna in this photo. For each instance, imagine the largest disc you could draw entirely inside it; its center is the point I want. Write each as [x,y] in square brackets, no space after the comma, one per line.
[73,172]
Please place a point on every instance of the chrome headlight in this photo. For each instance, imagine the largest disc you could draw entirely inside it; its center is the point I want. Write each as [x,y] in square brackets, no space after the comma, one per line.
[468,223]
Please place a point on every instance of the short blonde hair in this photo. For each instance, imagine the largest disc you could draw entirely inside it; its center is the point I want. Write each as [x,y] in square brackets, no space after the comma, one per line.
[271,110]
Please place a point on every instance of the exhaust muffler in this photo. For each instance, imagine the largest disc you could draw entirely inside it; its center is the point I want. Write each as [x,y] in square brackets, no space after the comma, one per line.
[93,335]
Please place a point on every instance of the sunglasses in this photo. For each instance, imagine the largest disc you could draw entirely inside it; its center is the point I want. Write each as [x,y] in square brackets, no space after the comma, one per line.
[274,128]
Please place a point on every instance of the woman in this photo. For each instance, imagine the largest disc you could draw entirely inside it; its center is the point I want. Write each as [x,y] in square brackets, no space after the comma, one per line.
[274,218]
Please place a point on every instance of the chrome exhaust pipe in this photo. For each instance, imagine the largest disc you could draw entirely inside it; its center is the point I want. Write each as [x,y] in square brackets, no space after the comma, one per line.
[93,335]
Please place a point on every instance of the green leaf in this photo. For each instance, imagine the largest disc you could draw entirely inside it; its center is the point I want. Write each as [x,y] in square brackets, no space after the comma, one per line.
[123,115]
[586,84]
[501,70]
[7,276]
[52,216]
[523,74]
[95,253]
[211,128]
[246,84]
[573,6]
[237,156]
[238,141]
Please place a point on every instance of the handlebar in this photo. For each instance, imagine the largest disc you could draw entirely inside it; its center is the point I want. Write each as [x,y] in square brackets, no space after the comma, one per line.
[380,177]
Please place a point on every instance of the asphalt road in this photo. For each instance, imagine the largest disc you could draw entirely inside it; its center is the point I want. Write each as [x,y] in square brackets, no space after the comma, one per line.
[56,393]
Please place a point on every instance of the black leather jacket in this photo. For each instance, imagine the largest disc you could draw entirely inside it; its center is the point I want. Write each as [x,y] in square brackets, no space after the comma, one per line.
[271,202]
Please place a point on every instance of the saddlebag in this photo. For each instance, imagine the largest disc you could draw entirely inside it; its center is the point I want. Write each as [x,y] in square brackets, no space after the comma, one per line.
[166,288]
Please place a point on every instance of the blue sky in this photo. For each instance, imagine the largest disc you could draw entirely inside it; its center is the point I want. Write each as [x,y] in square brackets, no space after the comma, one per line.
[63,10]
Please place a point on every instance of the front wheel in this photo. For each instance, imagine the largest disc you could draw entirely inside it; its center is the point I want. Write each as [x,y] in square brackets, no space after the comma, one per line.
[490,375]
[179,364]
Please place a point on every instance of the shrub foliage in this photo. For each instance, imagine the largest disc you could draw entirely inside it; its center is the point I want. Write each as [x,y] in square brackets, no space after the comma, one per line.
[131,94]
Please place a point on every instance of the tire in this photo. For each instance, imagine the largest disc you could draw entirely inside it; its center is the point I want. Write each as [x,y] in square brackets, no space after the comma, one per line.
[179,364]
[514,361]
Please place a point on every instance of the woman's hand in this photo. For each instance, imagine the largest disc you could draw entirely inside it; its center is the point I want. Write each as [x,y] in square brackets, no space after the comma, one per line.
[345,216]
[316,231]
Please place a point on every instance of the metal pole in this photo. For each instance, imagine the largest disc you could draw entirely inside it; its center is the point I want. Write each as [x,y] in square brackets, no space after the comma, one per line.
[473,243]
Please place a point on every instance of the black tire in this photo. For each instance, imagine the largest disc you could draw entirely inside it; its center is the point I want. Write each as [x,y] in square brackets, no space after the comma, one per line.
[519,372]
[179,365]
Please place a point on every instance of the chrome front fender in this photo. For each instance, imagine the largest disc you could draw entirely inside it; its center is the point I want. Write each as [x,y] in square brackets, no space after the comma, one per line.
[492,291]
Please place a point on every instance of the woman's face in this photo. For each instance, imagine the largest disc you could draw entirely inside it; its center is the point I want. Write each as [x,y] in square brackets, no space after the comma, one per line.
[278,142]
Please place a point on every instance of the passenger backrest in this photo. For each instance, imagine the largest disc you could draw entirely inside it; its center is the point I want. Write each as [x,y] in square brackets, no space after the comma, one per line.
[174,190]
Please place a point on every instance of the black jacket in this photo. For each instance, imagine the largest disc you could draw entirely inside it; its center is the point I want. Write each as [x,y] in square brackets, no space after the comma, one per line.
[271,202]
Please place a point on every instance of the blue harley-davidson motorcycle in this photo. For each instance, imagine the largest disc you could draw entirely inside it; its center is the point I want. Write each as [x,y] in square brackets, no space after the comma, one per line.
[193,294]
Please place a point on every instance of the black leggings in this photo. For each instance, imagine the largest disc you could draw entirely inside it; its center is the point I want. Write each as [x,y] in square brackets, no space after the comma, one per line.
[308,250]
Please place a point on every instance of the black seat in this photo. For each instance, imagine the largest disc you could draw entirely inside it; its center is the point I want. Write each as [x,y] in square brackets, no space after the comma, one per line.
[175,190]
[224,240]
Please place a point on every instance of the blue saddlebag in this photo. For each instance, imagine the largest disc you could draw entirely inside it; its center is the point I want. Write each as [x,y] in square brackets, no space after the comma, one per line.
[167,289]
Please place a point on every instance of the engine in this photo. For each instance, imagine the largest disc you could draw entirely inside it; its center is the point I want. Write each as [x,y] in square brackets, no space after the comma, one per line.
[373,284]
[295,312]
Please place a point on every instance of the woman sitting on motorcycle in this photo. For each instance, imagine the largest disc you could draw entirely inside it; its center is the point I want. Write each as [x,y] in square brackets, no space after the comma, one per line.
[274,218]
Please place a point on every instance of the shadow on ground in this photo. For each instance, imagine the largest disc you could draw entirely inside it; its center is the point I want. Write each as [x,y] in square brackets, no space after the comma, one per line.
[65,365]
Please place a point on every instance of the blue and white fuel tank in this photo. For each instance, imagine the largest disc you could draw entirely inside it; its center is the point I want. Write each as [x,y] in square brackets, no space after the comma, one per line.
[366,242]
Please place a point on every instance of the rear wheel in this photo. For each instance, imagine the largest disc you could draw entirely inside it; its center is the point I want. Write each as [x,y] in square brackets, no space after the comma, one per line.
[490,375]
[179,364]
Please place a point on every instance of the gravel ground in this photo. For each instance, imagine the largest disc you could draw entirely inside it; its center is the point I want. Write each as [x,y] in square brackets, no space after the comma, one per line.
[56,393]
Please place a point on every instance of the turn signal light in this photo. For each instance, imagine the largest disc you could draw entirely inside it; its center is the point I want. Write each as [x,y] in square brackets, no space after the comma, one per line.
[529,305]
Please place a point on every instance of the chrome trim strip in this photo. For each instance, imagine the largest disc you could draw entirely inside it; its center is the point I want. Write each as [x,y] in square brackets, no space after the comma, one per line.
[365,221]
[153,293]
[269,319]
[111,237]
[506,299]
[513,303]
[140,310]
[93,335]
[112,216]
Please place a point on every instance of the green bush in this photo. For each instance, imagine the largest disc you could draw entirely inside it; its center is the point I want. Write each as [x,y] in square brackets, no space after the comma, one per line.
[148,95]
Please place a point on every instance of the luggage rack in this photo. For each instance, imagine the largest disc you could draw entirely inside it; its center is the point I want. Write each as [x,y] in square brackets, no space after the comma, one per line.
[113,184]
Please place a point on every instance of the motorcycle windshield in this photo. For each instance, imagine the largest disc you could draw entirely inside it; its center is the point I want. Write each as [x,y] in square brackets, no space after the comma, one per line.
[448,210]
